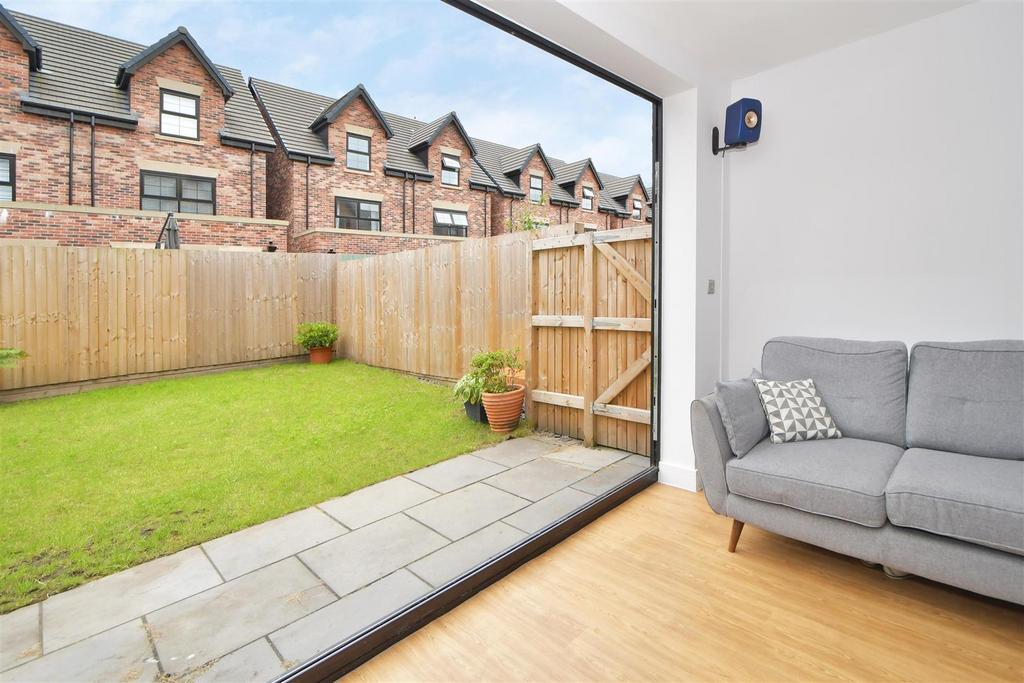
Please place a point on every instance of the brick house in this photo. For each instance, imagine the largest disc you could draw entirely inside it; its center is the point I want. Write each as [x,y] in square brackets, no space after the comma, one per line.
[351,178]
[97,147]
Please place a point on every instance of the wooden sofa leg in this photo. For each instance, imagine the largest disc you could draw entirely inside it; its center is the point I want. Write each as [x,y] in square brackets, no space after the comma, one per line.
[734,535]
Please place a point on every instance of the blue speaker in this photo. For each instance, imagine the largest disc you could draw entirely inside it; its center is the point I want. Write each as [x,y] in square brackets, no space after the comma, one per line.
[743,122]
[742,125]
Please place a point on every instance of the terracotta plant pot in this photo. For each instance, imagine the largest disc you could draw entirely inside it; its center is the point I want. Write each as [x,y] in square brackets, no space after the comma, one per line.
[321,354]
[503,410]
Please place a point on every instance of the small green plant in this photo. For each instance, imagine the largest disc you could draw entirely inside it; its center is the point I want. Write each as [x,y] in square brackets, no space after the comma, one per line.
[10,357]
[469,388]
[316,335]
[491,372]
[527,220]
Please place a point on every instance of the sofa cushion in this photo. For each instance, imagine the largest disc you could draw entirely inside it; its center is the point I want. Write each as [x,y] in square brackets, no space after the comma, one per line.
[795,411]
[968,497]
[967,397]
[742,415]
[864,384]
[841,478]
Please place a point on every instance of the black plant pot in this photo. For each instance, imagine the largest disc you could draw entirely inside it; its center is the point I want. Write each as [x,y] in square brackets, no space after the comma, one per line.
[476,412]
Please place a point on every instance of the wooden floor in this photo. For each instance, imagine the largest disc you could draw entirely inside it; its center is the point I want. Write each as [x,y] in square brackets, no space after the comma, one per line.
[648,592]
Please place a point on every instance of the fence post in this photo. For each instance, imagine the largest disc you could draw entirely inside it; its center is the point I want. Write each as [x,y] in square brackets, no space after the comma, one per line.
[589,380]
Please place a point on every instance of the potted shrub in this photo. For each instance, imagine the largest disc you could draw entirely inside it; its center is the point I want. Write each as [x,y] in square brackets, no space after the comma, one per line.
[318,339]
[469,390]
[502,398]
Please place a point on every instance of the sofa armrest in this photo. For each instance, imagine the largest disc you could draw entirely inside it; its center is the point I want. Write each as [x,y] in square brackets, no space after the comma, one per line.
[711,447]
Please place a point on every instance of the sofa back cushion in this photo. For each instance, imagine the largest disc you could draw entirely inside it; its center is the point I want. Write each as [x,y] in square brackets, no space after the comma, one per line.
[967,397]
[864,384]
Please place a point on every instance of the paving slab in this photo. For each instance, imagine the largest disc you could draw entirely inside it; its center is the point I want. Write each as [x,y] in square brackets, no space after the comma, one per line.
[256,662]
[121,654]
[516,452]
[243,551]
[362,556]
[546,510]
[20,638]
[376,502]
[455,559]
[638,460]
[462,512]
[608,478]
[84,611]
[455,473]
[329,626]
[538,479]
[592,459]
[233,614]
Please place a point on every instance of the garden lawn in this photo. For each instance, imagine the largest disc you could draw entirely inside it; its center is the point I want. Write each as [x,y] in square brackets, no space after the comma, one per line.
[97,482]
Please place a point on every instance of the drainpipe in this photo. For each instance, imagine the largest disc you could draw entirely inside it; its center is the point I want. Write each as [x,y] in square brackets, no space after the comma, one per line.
[71,159]
[405,181]
[484,202]
[92,161]
[307,191]
[252,180]
[414,205]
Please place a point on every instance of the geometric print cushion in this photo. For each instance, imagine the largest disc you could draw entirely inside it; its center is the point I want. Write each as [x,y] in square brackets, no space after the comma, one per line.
[795,411]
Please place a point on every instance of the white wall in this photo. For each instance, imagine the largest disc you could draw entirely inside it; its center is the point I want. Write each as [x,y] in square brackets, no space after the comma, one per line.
[884,200]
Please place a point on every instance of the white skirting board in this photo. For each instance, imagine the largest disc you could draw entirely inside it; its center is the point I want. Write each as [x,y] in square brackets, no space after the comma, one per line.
[678,476]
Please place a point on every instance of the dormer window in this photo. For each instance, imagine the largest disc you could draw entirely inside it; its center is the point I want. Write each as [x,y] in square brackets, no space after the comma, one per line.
[638,208]
[588,199]
[450,169]
[536,188]
[179,115]
[357,155]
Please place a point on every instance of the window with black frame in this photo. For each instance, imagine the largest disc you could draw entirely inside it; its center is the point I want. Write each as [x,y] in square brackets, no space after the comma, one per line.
[451,223]
[450,169]
[638,210]
[177,193]
[7,193]
[356,214]
[357,150]
[588,199]
[179,115]
[536,188]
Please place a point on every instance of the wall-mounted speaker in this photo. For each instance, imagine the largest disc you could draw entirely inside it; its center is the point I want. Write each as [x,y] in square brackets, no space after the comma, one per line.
[742,125]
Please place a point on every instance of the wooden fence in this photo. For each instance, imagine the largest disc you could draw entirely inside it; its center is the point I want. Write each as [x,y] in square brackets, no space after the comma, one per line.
[591,338]
[90,313]
[428,311]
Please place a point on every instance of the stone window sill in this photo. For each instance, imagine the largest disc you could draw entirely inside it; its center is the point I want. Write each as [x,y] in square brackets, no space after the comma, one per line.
[184,141]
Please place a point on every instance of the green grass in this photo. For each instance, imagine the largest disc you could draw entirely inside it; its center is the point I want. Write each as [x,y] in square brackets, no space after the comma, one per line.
[97,482]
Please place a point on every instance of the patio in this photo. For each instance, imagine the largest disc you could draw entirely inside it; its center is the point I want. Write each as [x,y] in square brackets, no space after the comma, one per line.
[257,602]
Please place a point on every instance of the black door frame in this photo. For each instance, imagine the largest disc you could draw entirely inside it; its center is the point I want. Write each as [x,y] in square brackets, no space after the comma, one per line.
[363,646]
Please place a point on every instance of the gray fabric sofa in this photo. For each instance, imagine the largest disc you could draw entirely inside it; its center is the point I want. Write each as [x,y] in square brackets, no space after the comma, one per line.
[928,478]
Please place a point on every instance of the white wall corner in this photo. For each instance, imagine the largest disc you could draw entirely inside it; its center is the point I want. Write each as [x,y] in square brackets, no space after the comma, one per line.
[679,476]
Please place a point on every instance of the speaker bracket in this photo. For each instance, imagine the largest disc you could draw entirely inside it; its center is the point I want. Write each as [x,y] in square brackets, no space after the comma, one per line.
[716,147]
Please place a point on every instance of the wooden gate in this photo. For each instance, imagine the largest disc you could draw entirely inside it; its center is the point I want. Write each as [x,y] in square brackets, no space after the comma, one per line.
[590,353]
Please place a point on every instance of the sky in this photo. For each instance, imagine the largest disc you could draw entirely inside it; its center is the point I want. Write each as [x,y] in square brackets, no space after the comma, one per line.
[418,58]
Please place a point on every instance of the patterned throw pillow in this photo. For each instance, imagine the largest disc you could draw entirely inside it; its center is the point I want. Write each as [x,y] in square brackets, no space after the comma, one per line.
[795,411]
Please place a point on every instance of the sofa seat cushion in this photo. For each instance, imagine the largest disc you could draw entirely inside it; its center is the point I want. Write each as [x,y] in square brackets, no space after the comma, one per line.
[967,497]
[841,478]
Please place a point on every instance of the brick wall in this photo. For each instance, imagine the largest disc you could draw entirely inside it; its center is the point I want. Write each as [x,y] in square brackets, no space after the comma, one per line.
[41,146]
[406,205]
[83,228]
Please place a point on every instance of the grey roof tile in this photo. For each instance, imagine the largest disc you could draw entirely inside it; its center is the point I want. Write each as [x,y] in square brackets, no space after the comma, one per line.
[292,111]
[81,71]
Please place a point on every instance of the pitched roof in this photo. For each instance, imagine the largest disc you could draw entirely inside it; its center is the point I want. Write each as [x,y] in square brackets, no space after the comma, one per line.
[32,48]
[291,110]
[179,35]
[428,132]
[517,161]
[82,68]
[328,115]
[572,172]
